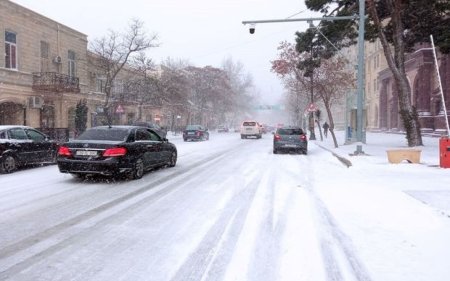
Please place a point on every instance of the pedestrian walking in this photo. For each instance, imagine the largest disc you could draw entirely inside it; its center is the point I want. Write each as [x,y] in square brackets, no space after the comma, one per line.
[325,128]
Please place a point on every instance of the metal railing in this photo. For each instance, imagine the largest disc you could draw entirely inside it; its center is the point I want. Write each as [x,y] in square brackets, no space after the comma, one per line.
[55,82]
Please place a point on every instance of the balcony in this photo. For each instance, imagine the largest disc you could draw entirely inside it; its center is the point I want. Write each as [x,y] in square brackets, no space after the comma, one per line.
[55,82]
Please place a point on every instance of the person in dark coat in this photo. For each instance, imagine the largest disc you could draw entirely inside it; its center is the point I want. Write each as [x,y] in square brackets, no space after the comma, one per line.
[325,128]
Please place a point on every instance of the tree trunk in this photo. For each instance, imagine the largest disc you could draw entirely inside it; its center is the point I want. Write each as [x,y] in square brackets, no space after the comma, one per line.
[320,129]
[331,121]
[396,64]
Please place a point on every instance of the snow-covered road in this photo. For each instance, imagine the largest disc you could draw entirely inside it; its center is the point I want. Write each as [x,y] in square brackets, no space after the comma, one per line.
[229,210]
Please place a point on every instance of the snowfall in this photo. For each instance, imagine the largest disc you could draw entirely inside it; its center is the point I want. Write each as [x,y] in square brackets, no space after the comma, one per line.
[233,210]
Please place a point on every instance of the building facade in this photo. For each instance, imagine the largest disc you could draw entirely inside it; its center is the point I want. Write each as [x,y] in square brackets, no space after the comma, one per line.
[47,69]
[426,94]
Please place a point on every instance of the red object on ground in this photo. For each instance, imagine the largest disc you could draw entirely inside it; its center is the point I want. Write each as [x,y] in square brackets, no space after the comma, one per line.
[444,152]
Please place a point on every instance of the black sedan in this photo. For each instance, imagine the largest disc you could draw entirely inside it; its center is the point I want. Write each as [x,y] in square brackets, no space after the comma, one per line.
[116,150]
[155,127]
[195,132]
[23,145]
[290,139]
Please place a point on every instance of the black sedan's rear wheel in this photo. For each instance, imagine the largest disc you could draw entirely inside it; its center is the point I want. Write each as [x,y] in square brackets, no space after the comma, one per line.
[138,170]
[173,159]
[8,165]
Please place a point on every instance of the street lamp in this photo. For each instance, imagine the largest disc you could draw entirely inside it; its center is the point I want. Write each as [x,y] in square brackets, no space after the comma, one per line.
[312,135]
[360,92]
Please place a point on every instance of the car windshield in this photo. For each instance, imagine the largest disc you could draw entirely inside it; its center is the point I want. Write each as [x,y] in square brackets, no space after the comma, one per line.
[249,124]
[193,127]
[290,131]
[110,134]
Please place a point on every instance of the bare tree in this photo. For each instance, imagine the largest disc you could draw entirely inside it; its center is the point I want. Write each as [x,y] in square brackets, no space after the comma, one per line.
[175,87]
[295,83]
[241,84]
[330,79]
[211,91]
[143,88]
[114,51]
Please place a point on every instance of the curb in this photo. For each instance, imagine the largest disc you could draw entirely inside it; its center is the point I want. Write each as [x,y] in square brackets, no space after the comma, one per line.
[343,160]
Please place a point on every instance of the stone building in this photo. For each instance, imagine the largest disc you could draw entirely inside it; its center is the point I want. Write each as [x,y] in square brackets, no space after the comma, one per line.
[375,62]
[43,74]
[426,96]
[47,70]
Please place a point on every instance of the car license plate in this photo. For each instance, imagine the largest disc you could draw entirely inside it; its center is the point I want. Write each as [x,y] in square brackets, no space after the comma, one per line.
[191,133]
[86,153]
[290,145]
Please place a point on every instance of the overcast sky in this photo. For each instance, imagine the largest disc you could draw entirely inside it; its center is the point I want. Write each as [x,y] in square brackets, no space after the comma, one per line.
[204,32]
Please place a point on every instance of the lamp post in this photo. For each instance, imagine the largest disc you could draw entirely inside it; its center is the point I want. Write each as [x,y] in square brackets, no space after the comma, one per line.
[360,135]
[312,135]
[360,75]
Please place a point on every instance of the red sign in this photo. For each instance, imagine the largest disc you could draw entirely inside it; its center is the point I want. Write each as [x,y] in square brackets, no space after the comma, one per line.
[312,107]
[119,109]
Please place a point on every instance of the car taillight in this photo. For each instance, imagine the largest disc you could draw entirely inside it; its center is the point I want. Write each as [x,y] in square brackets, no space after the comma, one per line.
[277,137]
[116,151]
[198,133]
[64,151]
[303,137]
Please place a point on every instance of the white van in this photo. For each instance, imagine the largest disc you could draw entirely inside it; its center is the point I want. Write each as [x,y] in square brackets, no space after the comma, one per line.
[251,129]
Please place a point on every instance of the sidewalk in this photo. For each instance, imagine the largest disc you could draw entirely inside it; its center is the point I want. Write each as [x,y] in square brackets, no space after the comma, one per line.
[377,144]
[426,181]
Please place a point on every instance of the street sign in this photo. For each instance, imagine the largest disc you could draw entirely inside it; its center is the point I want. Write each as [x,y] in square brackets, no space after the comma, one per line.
[119,109]
[312,107]
[268,107]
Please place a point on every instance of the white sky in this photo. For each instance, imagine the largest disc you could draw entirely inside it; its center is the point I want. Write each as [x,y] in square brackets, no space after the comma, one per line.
[201,31]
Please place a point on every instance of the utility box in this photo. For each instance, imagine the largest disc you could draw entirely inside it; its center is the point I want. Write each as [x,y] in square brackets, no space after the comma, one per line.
[444,152]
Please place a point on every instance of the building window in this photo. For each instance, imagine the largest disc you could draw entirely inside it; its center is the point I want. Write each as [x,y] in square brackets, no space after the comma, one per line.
[71,62]
[44,56]
[44,50]
[100,85]
[10,50]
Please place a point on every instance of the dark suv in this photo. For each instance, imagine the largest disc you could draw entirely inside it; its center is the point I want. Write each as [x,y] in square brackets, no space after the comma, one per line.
[290,139]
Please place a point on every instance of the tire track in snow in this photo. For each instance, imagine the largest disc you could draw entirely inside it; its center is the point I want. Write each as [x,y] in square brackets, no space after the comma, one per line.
[209,261]
[335,245]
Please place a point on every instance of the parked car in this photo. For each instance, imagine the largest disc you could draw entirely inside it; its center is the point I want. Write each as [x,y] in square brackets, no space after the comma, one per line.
[23,145]
[290,139]
[116,150]
[195,132]
[155,127]
[251,129]
[222,129]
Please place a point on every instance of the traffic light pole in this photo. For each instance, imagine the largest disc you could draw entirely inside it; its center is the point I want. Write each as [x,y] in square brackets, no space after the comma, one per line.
[360,84]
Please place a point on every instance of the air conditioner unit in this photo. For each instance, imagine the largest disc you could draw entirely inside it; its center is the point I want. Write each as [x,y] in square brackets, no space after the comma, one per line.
[57,59]
[36,102]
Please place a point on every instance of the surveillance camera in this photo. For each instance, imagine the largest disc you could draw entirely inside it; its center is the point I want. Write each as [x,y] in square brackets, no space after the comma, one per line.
[252,29]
